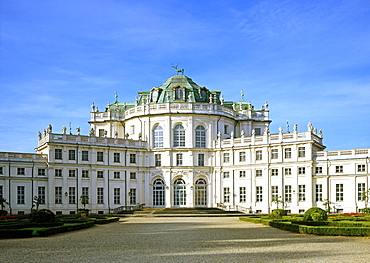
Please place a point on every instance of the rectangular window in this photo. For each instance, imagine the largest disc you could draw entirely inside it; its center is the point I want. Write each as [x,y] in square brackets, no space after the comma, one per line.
[258,155]
[132,175]
[20,195]
[339,192]
[72,195]
[41,172]
[1,170]
[72,154]
[71,173]
[274,193]
[100,157]
[101,132]
[226,174]
[274,154]
[301,193]
[258,172]
[242,194]
[226,157]
[58,172]
[58,154]
[201,159]
[339,169]
[361,168]
[1,192]
[226,129]
[361,192]
[100,174]
[85,173]
[158,159]
[242,174]
[274,172]
[179,159]
[242,157]
[132,158]
[85,192]
[226,194]
[288,153]
[41,194]
[21,171]
[257,131]
[318,170]
[318,193]
[132,194]
[58,194]
[116,157]
[288,193]
[85,156]
[259,194]
[100,195]
[287,171]
[132,129]
[301,170]
[301,152]
[117,195]
[116,175]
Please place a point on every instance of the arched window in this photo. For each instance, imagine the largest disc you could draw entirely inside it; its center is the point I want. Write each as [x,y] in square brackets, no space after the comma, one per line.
[179,193]
[201,192]
[158,193]
[200,137]
[158,136]
[178,136]
[179,93]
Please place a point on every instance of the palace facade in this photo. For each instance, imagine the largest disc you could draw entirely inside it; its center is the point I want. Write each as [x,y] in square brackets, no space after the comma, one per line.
[182,145]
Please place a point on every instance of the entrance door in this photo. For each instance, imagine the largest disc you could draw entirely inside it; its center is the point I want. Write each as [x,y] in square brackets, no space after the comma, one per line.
[158,193]
[179,192]
[201,193]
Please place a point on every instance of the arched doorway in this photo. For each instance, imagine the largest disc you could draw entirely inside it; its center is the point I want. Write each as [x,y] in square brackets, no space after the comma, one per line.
[158,193]
[201,193]
[179,191]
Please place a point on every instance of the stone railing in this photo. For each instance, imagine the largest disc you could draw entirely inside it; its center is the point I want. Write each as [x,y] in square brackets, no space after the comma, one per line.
[269,139]
[128,208]
[342,154]
[179,107]
[23,156]
[91,140]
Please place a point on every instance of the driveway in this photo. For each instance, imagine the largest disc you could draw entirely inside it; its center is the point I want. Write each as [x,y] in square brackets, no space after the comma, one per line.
[184,239]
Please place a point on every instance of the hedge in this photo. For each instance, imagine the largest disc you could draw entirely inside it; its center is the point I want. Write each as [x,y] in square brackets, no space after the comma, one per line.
[106,220]
[65,228]
[15,233]
[322,230]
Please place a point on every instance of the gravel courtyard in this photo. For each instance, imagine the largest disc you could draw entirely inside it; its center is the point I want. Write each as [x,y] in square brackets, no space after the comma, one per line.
[184,239]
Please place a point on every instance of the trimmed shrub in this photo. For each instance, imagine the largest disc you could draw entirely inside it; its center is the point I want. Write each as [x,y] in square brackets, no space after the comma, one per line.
[3,213]
[15,233]
[315,214]
[277,214]
[42,216]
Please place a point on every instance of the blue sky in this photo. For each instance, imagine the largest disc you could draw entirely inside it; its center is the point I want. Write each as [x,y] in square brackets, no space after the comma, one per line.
[309,59]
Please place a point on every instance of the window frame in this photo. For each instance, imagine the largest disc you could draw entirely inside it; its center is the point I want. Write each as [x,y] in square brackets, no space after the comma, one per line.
[158,136]
[200,137]
[179,139]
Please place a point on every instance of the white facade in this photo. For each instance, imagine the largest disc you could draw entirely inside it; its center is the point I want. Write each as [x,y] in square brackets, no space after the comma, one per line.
[182,145]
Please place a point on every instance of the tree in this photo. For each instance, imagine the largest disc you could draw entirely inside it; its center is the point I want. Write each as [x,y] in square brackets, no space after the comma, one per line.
[3,202]
[277,200]
[366,196]
[84,200]
[327,204]
[36,202]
